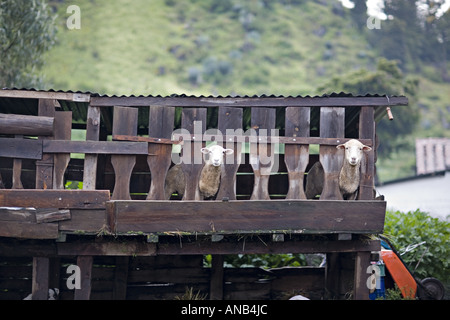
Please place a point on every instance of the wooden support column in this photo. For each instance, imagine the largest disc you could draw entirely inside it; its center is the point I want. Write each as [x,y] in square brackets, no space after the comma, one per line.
[44,167]
[125,122]
[161,121]
[85,265]
[62,131]
[262,154]
[367,131]
[39,288]
[121,278]
[216,282]
[230,119]
[360,289]
[90,160]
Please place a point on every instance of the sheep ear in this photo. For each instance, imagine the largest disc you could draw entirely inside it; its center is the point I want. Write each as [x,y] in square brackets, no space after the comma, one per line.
[204,150]
[228,151]
[367,148]
[340,146]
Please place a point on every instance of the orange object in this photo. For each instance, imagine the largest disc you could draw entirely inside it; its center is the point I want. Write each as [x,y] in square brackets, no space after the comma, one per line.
[402,277]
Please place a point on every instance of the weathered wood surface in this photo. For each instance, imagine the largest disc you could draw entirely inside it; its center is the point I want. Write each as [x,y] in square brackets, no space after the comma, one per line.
[20,148]
[183,101]
[262,154]
[229,119]
[161,122]
[63,199]
[367,131]
[307,216]
[332,124]
[193,121]
[95,147]
[125,122]
[63,131]
[296,156]
[26,125]
[44,166]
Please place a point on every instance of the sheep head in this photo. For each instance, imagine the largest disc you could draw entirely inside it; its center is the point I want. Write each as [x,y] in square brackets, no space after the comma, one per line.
[353,151]
[216,154]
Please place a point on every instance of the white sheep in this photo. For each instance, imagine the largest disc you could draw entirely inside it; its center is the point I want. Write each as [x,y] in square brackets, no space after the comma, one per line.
[209,176]
[349,176]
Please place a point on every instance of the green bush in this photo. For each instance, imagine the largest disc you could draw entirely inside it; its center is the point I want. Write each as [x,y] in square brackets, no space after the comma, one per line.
[414,227]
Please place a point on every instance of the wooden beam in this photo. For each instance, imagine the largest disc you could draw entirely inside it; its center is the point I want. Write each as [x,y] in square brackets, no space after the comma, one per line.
[94,147]
[241,216]
[360,289]
[85,265]
[63,199]
[33,94]
[195,102]
[21,148]
[41,268]
[26,125]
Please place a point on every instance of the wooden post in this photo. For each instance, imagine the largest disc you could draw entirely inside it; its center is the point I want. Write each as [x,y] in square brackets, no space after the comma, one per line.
[367,131]
[63,131]
[39,288]
[231,119]
[262,118]
[120,278]
[85,265]
[90,160]
[125,122]
[360,289]
[332,125]
[296,156]
[160,125]
[44,167]
[194,121]
[216,282]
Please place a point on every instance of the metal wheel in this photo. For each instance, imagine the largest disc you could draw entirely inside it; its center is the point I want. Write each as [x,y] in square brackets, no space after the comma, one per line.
[430,289]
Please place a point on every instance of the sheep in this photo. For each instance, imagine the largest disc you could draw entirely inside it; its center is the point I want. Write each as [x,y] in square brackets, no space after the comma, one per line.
[209,176]
[349,175]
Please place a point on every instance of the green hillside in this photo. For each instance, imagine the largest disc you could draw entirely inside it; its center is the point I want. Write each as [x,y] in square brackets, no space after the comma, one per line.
[286,47]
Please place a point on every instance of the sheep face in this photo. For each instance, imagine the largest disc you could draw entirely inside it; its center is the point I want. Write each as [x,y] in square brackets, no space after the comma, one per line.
[216,154]
[354,151]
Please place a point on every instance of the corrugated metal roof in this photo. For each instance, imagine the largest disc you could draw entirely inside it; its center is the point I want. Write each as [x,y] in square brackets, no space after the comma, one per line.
[25,101]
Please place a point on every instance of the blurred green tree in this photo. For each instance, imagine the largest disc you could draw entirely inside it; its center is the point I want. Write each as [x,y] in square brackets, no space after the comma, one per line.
[27,30]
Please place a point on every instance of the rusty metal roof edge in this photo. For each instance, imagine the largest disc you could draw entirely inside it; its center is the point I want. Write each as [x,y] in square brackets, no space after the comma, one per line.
[262,96]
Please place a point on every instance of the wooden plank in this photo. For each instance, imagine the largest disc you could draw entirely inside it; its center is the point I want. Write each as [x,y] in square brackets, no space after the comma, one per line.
[24,230]
[121,137]
[296,156]
[161,122]
[90,160]
[95,147]
[88,221]
[26,125]
[44,166]
[52,215]
[262,154]
[85,265]
[194,121]
[360,289]
[63,131]
[230,119]
[20,148]
[367,131]
[17,170]
[107,248]
[34,94]
[332,125]
[125,122]
[41,268]
[63,199]
[121,278]
[185,101]
[248,216]
[216,279]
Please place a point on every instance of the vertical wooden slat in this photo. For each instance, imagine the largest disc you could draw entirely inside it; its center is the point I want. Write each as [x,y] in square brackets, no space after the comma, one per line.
[262,118]
[332,125]
[367,131]
[44,167]
[161,122]
[120,278]
[125,122]
[194,121]
[62,131]
[216,283]
[85,265]
[17,170]
[90,160]
[360,289]
[39,289]
[296,157]
[231,119]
